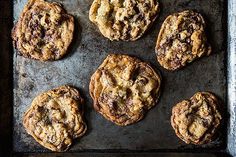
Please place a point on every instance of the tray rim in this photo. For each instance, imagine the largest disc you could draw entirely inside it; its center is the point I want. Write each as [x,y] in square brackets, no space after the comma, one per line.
[231,77]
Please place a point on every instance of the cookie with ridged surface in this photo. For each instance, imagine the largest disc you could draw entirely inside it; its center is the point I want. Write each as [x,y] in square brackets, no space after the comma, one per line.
[44,31]
[181,40]
[196,120]
[124,88]
[125,20]
[55,118]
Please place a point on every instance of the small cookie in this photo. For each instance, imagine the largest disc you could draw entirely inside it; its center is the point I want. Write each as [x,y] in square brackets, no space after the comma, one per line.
[44,31]
[123,20]
[123,89]
[196,120]
[181,40]
[55,118]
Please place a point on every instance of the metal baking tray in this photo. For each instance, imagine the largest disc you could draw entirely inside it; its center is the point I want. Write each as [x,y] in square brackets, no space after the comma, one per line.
[22,79]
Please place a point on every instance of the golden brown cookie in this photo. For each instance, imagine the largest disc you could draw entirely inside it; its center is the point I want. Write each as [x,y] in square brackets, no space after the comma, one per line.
[44,31]
[196,120]
[123,20]
[55,118]
[123,88]
[181,40]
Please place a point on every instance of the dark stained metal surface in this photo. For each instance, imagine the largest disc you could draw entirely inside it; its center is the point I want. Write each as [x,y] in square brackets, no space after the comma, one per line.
[126,155]
[6,104]
[88,50]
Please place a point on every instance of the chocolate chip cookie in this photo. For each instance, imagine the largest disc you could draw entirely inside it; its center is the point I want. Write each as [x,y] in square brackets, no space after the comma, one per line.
[124,88]
[196,120]
[123,20]
[55,118]
[44,31]
[181,40]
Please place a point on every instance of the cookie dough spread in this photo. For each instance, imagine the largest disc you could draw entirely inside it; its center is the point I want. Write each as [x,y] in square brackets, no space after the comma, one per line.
[55,118]
[44,31]
[196,120]
[123,88]
[181,40]
[123,19]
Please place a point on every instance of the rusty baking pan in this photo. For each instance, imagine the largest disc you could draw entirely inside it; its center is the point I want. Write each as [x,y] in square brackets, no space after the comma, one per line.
[22,79]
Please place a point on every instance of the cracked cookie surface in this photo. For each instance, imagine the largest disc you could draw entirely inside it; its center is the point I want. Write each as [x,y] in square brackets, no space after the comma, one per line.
[123,19]
[181,40]
[124,88]
[44,31]
[196,120]
[55,118]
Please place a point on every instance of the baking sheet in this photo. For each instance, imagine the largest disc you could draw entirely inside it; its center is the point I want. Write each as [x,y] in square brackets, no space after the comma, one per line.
[88,51]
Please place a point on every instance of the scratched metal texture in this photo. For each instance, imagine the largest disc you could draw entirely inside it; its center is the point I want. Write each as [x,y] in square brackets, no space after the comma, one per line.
[231,144]
[87,52]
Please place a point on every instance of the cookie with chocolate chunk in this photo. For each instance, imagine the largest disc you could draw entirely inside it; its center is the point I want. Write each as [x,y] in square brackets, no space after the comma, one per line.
[181,40]
[124,88]
[55,118]
[124,20]
[196,120]
[44,31]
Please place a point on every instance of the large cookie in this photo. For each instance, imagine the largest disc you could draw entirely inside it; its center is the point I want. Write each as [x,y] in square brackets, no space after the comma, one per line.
[123,20]
[55,118]
[181,40]
[123,88]
[196,120]
[44,31]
